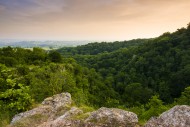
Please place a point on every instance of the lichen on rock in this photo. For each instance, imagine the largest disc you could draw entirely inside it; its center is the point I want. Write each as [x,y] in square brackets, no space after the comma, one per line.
[178,116]
[113,117]
[58,100]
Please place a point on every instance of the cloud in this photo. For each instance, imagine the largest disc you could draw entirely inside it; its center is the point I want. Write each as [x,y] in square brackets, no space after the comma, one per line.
[80,10]
[2,8]
[90,17]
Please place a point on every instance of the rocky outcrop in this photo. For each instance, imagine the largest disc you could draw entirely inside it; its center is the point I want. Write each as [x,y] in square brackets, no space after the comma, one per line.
[113,117]
[178,116]
[57,111]
[104,117]
[48,110]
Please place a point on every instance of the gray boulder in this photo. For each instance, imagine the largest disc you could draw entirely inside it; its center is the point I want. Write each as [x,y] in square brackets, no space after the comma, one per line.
[178,116]
[63,120]
[48,108]
[58,100]
[113,117]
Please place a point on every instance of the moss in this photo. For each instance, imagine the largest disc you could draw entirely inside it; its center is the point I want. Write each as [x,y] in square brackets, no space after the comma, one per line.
[31,121]
[99,121]
[62,110]
[81,116]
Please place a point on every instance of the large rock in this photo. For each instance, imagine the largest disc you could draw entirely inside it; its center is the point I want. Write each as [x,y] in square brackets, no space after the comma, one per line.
[178,116]
[113,117]
[58,100]
[64,120]
[48,108]
[44,111]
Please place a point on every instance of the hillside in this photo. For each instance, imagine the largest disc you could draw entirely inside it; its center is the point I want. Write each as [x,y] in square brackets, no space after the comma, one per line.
[158,66]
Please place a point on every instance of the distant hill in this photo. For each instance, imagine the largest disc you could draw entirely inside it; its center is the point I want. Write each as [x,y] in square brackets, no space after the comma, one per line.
[96,48]
[37,43]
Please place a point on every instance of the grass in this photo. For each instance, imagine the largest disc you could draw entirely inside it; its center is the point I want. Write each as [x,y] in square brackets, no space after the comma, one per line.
[86,112]
[86,108]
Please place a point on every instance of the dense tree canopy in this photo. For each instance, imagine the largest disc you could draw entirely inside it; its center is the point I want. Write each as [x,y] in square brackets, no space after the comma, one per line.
[160,65]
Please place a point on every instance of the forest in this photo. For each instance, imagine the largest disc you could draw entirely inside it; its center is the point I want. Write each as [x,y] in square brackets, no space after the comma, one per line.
[146,76]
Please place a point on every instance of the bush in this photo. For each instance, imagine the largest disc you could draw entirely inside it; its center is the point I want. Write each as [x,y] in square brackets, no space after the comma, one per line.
[153,108]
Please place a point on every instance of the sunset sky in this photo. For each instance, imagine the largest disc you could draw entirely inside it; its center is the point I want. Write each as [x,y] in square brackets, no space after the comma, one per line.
[106,20]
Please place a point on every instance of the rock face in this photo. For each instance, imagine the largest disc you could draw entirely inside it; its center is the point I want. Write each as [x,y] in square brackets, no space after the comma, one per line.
[113,117]
[48,108]
[178,116]
[57,111]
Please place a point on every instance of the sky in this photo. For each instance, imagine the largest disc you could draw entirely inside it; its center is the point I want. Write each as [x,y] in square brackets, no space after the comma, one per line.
[104,20]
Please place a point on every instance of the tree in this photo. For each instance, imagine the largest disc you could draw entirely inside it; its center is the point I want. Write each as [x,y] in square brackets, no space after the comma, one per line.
[153,108]
[55,56]
[38,55]
[8,61]
[188,26]
[135,94]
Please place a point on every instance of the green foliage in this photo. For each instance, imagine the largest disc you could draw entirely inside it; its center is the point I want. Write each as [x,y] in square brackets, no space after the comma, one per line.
[14,95]
[139,110]
[38,54]
[135,94]
[184,99]
[54,56]
[153,108]
[9,61]
[16,99]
